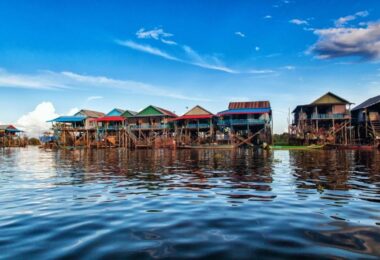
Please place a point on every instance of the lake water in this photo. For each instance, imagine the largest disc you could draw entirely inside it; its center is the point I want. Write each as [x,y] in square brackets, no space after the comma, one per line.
[189,203]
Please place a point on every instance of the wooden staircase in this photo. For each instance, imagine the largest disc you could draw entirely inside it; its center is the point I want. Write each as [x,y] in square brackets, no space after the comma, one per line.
[376,129]
[133,137]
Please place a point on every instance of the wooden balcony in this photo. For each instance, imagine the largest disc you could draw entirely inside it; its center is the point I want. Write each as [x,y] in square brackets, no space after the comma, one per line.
[330,116]
[242,122]
[149,127]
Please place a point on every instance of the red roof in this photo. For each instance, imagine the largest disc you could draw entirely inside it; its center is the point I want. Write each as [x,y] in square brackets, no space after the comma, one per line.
[253,104]
[110,119]
[184,117]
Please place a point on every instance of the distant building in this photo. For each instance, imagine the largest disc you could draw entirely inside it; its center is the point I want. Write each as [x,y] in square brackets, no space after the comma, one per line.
[366,118]
[10,136]
[326,120]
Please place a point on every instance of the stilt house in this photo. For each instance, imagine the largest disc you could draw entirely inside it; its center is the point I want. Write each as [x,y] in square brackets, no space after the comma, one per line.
[326,120]
[195,127]
[10,136]
[76,130]
[110,129]
[245,123]
[366,118]
[152,126]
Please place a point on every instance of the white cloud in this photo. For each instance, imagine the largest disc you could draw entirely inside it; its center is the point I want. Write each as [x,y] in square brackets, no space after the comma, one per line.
[282,3]
[72,80]
[91,98]
[169,42]
[147,49]
[9,80]
[266,71]
[345,42]
[289,67]
[156,34]
[299,22]
[205,62]
[34,122]
[344,20]
[193,58]
[240,34]
[130,85]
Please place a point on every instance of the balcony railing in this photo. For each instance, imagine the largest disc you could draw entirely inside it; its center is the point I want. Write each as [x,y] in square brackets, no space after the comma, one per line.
[148,126]
[242,122]
[329,116]
[195,126]
[114,128]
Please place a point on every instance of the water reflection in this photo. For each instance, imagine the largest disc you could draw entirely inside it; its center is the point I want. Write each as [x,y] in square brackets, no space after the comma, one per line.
[237,173]
[190,203]
[327,171]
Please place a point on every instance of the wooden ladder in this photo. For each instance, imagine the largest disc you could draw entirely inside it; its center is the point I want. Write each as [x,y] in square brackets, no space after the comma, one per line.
[376,128]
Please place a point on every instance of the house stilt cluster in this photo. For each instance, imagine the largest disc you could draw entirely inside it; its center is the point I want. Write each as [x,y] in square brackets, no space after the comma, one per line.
[329,120]
[243,124]
[10,136]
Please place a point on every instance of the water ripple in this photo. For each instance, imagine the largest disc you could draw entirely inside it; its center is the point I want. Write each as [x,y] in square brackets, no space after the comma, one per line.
[189,203]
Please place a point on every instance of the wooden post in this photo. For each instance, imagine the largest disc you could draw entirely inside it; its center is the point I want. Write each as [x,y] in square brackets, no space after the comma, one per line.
[366,124]
[317,123]
[349,112]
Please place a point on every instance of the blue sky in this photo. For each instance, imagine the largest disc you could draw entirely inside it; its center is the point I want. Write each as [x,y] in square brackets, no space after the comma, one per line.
[56,57]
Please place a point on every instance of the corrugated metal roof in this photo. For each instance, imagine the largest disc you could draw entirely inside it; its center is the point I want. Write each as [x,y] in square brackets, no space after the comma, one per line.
[132,112]
[14,130]
[153,111]
[115,111]
[368,103]
[251,104]
[110,119]
[330,98]
[318,102]
[198,110]
[129,113]
[9,128]
[245,111]
[192,117]
[166,112]
[68,119]
[90,113]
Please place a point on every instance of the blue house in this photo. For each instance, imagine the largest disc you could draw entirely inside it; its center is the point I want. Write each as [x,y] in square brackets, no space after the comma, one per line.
[246,123]
[116,112]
